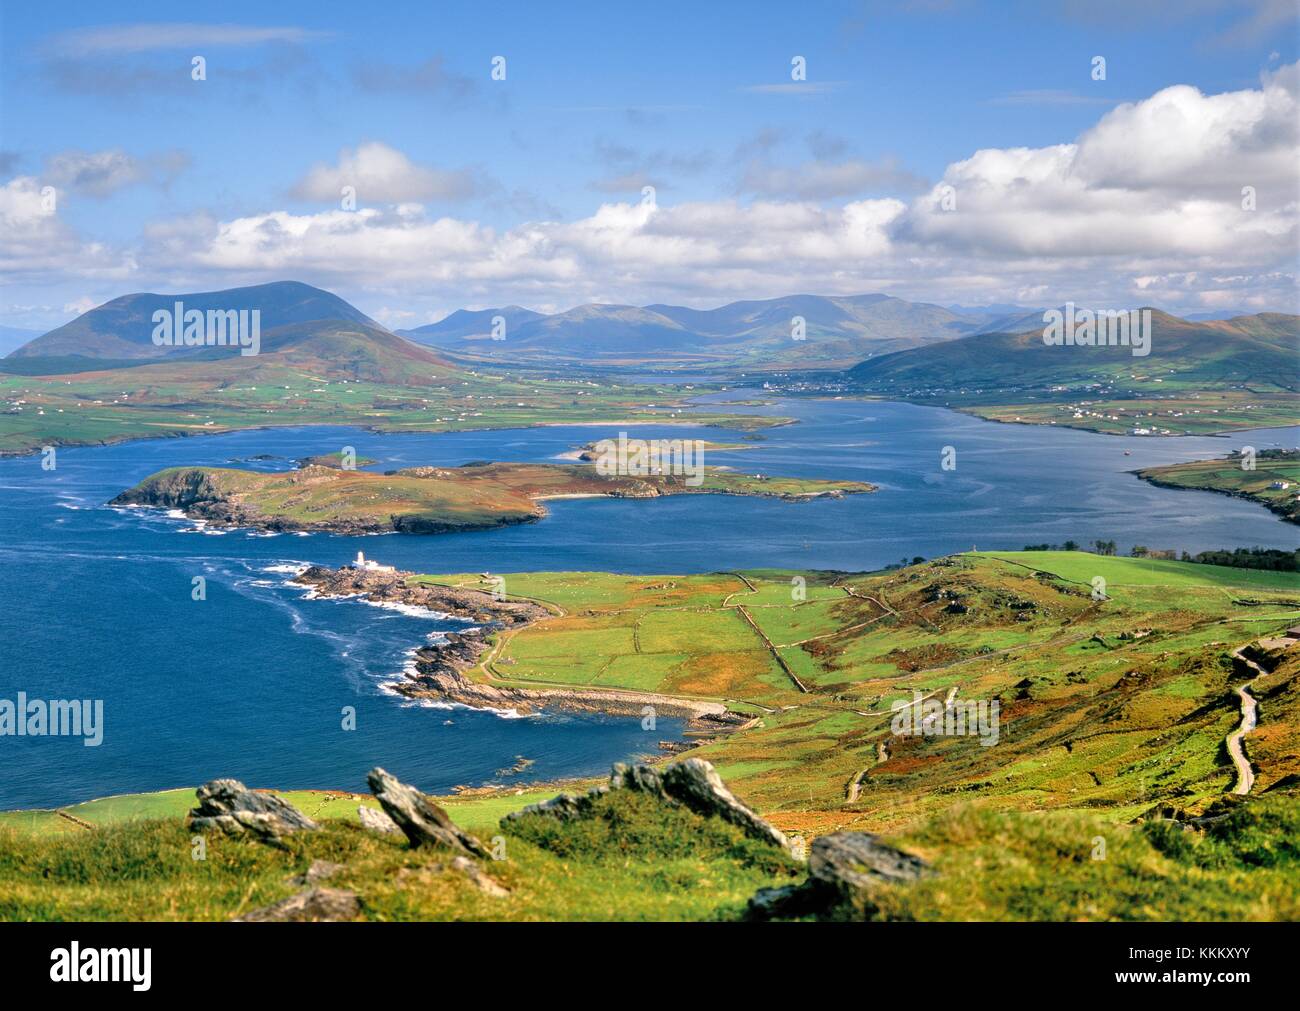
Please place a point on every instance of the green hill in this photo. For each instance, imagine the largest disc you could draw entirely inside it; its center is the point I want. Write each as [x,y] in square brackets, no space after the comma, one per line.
[1199,378]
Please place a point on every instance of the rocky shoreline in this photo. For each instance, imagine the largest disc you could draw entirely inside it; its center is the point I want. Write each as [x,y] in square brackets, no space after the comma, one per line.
[439,668]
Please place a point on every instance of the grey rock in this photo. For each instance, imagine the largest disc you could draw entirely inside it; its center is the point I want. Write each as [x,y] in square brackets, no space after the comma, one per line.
[423,821]
[228,805]
[320,870]
[485,884]
[697,784]
[377,821]
[856,860]
[691,782]
[844,869]
[311,906]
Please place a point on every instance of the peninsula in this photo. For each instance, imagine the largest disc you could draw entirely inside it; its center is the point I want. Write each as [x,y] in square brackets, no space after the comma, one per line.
[1270,477]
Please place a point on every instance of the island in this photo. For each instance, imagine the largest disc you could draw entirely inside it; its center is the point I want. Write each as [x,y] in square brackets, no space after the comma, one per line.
[1273,481]
[429,500]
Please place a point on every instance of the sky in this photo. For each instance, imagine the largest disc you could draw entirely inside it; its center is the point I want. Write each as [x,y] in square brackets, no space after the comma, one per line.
[417,158]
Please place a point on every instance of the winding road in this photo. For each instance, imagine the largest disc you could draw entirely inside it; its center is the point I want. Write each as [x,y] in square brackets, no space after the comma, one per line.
[1249,718]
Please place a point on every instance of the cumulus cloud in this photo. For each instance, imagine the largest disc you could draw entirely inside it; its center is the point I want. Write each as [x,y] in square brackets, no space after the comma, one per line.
[381,173]
[1165,178]
[1145,207]
[35,244]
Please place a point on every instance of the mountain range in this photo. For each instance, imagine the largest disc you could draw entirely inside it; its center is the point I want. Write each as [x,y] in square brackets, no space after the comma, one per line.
[879,343]
[837,332]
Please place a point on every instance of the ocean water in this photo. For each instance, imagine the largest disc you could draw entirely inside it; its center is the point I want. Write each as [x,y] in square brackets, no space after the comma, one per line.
[96,602]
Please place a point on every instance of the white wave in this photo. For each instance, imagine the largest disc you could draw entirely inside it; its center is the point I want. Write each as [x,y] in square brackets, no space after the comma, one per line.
[390,688]
[411,610]
[293,568]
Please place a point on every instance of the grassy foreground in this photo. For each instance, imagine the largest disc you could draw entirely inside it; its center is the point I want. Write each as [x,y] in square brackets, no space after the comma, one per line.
[1114,709]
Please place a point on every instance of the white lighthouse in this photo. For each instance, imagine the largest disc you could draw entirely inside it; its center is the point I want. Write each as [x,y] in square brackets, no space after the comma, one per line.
[366,565]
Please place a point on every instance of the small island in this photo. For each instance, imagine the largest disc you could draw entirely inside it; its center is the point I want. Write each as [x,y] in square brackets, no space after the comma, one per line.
[1273,481]
[336,460]
[429,500]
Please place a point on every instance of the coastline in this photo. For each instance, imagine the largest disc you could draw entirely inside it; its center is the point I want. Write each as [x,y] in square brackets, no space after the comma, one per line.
[441,669]
[1271,506]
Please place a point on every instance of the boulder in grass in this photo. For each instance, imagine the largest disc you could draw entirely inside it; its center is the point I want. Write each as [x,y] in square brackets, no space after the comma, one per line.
[692,782]
[315,905]
[844,869]
[423,822]
[229,806]
[375,820]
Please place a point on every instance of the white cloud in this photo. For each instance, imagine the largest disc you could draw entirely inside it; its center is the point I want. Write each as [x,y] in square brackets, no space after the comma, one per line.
[140,38]
[1144,207]
[1158,181]
[80,305]
[382,174]
[35,244]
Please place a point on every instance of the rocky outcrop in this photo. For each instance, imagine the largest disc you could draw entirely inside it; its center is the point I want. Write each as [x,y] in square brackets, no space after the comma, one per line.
[315,905]
[477,606]
[844,869]
[229,806]
[422,821]
[692,782]
[377,821]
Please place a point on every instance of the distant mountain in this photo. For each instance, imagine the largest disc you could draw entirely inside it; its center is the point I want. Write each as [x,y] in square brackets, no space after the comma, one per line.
[122,330]
[472,324]
[1247,349]
[837,331]
[15,337]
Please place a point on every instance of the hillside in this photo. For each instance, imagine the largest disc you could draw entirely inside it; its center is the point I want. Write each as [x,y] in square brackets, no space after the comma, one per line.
[747,334]
[1198,377]
[122,330]
[1112,726]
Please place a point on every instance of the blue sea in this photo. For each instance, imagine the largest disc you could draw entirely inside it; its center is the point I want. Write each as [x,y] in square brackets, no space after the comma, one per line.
[96,602]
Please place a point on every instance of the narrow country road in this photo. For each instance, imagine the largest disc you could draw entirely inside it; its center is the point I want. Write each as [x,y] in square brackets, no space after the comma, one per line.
[1249,718]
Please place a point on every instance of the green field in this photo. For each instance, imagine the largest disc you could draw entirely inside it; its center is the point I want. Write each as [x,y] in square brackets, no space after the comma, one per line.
[273,390]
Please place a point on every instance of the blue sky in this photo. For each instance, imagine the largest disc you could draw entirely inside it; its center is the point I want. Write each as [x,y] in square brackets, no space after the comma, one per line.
[479,192]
